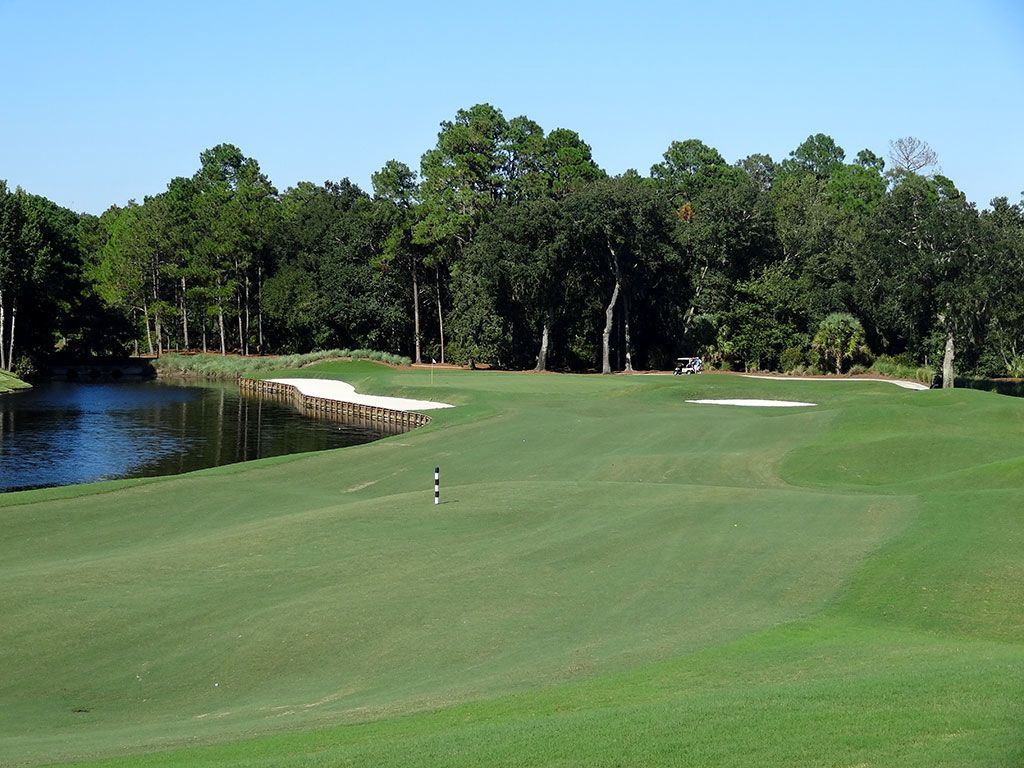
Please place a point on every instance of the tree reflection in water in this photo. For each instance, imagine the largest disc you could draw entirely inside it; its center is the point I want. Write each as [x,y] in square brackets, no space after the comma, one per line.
[62,433]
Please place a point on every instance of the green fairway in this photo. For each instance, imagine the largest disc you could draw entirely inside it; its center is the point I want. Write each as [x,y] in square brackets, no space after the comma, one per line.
[615,577]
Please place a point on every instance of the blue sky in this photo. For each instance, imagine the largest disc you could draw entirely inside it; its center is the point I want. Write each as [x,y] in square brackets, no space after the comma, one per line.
[106,101]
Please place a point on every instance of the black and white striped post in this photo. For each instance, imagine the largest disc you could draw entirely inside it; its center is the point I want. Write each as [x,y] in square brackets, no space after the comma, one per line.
[437,485]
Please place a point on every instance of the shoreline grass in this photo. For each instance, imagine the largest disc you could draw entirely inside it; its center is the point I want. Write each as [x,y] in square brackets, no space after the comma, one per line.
[886,366]
[11,383]
[227,367]
[614,577]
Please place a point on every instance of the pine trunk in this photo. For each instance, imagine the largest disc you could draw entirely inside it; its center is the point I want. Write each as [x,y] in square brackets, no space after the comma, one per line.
[149,336]
[545,335]
[416,313]
[220,320]
[3,328]
[948,373]
[238,309]
[184,314]
[259,308]
[10,339]
[609,315]
[440,316]
[692,309]
[247,314]
[159,331]
[625,313]
[154,274]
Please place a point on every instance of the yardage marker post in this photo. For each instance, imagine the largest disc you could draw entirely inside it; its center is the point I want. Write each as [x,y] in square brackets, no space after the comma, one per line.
[437,485]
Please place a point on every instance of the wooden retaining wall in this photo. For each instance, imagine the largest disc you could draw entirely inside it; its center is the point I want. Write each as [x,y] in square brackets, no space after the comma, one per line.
[385,420]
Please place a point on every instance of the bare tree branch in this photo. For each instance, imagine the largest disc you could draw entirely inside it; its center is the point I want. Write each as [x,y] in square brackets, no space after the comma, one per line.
[911,154]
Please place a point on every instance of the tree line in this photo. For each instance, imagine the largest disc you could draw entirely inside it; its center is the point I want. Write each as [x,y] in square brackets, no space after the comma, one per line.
[511,247]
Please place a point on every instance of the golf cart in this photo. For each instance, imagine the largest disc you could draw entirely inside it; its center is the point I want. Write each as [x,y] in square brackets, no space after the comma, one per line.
[687,365]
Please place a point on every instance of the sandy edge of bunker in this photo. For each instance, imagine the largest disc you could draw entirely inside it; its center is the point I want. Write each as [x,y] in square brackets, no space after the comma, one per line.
[332,389]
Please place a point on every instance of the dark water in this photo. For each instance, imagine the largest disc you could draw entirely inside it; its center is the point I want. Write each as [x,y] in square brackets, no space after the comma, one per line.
[63,433]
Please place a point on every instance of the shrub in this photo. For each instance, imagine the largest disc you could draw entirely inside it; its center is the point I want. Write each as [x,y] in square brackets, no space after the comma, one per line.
[902,367]
[25,368]
[840,338]
[1015,367]
[1012,388]
[791,359]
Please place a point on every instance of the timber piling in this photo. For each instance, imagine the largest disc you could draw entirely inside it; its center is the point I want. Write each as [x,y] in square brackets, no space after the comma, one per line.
[385,420]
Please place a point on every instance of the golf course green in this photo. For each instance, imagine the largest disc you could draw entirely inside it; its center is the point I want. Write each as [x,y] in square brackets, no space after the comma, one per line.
[614,577]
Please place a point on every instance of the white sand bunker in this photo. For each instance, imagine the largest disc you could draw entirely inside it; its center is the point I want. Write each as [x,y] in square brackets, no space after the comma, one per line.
[755,403]
[332,389]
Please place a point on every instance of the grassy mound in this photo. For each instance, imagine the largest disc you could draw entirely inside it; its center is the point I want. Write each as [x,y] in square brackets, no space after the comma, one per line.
[615,577]
[10,383]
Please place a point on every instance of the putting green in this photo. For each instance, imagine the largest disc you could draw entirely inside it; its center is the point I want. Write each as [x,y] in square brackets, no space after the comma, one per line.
[615,577]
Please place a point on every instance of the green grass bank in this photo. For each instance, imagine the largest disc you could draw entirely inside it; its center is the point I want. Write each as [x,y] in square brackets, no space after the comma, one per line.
[615,577]
[11,383]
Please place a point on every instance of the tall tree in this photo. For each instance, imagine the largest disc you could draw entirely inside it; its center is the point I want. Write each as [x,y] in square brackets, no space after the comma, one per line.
[818,155]
[722,225]
[463,177]
[814,196]
[1003,237]
[567,163]
[40,275]
[395,191]
[963,284]
[911,155]
[525,259]
[927,246]
[124,268]
[234,207]
[624,227]
[13,269]
[328,289]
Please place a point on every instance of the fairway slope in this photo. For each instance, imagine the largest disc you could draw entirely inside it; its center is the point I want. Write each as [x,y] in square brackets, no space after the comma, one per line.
[614,577]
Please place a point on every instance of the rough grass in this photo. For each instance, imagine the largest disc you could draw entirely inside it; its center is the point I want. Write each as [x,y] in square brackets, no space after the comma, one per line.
[886,366]
[615,577]
[213,366]
[10,382]
[1012,387]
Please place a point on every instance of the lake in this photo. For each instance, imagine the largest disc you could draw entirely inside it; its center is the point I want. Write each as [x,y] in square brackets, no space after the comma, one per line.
[62,433]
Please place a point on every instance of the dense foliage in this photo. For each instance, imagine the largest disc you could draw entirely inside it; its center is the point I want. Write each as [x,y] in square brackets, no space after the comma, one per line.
[511,247]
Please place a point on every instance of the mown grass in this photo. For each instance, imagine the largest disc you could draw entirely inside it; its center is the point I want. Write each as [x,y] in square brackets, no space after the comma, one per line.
[616,577]
[10,382]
